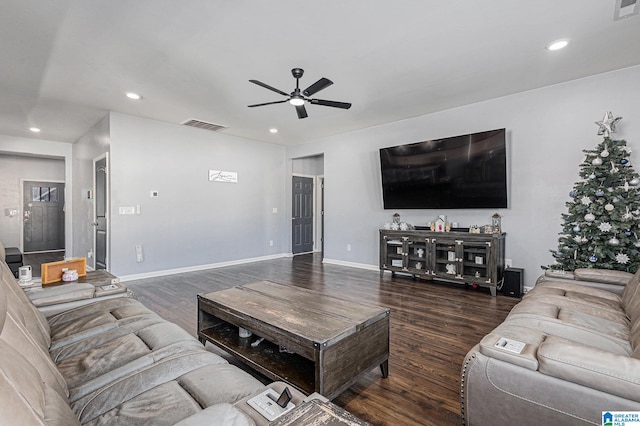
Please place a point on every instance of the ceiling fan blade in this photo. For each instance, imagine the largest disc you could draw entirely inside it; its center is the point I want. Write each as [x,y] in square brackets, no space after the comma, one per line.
[323,83]
[335,104]
[302,112]
[266,86]
[267,103]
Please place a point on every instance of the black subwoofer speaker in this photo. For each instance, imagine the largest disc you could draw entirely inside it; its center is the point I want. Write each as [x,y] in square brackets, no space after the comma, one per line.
[513,285]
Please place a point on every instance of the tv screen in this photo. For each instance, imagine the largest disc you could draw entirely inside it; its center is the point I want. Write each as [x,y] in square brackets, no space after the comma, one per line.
[461,172]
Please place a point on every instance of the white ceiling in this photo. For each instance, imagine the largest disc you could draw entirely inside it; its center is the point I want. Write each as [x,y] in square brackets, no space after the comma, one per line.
[65,63]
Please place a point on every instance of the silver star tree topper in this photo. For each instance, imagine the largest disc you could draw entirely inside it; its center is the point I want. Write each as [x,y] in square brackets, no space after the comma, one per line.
[607,125]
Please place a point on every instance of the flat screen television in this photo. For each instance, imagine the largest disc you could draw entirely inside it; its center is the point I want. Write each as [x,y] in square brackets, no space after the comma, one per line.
[460,172]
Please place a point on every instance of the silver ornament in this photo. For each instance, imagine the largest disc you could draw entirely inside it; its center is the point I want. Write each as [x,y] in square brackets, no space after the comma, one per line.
[589,217]
[634,182]
[597,161]
[614,241]
[608,207]
[604,154]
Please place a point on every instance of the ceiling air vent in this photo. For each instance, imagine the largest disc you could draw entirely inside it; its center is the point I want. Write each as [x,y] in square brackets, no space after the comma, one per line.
[625,8]
[200,124]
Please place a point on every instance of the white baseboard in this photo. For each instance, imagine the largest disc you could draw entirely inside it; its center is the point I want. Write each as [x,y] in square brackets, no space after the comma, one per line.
[351,264]
[195,268]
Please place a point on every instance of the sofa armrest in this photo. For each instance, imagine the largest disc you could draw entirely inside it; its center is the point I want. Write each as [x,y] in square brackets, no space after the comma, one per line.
[591,367]
[605,276]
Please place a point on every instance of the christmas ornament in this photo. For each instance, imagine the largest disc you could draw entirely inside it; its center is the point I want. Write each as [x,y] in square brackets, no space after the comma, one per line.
[576,228]
[622,258]
[593,258]
[626,186]
[589,217]
[608,207]
[634,182]
[586,200]
[607,125]
[604,154]
[627,215]
[624,161]
[592,176]
[597,161]
[605,227]
[573,194]
[637,244]
[614,169]
[614,241]
[628,233]
[599,193]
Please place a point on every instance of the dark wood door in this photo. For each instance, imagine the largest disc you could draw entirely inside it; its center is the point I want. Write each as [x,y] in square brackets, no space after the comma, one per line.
[43,221]
[302,212]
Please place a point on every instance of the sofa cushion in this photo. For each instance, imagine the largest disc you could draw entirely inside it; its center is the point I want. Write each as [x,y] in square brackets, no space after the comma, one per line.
[544,317]
[124,392]
[93,319]
[603,276]
[61,294]
[591,367]
[188,395]
[224,414]
[25,399]
[24,310]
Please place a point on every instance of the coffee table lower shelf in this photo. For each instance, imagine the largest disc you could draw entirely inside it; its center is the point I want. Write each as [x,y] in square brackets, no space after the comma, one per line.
[265,358]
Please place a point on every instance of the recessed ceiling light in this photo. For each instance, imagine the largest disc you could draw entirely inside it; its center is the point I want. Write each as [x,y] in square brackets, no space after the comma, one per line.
[34,129]
[273,130]
[133,96]
[558,44]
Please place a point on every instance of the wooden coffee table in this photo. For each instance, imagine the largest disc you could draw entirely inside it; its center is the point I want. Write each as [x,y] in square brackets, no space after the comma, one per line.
[333,341]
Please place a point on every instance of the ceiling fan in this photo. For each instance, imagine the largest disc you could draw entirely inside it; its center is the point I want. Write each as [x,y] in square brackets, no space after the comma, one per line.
[299,97]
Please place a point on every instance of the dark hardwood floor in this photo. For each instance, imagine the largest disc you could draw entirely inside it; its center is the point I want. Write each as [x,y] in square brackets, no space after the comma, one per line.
[433,326]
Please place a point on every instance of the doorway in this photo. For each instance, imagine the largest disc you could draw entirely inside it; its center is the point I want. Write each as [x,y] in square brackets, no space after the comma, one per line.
[100,211]
[43,216]
[302,215]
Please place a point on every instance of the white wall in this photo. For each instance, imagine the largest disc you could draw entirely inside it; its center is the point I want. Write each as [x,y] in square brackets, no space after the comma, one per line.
[47,149]
[193,222]
[14,169]
[547,130]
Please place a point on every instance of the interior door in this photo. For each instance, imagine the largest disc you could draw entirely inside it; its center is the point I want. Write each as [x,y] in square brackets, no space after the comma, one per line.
[302,211]
[43,216]
[100,212]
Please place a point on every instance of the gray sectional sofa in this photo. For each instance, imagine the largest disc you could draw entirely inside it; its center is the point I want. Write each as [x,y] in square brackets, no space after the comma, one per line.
[113,361]
[581,354]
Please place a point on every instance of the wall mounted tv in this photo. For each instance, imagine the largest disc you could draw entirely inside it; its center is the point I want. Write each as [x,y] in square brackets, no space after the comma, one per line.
[461,172]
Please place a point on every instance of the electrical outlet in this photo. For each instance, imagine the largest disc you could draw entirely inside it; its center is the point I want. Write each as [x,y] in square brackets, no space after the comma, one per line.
[348,247]
[271,243]
[508,263]
[90,254]
[527,289]
[139,255]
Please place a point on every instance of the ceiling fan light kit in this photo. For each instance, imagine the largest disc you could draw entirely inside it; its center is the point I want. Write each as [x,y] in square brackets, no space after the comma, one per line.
[298,97]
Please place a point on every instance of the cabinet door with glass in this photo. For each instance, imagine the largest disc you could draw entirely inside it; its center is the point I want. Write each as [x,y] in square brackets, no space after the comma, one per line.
[477,262]
[392,252]
[418,251]
[446,258]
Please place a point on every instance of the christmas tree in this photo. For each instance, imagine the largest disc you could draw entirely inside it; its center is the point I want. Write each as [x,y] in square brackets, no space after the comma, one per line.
[601,227]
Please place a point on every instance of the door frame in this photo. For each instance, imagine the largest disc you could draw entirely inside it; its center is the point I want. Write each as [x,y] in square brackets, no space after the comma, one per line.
[64,210]
[104,156]
[318,222]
